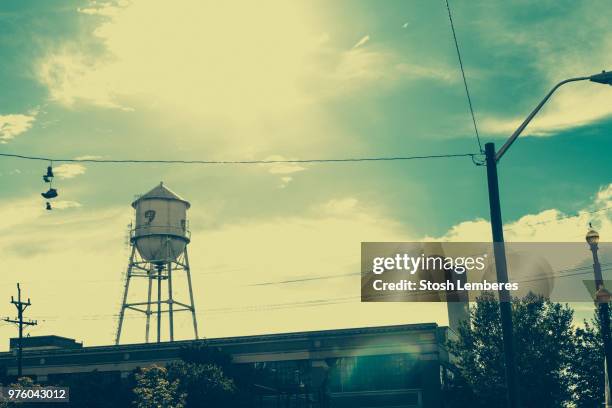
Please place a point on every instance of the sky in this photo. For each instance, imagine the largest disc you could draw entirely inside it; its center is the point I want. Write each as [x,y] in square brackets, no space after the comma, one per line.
[239,80]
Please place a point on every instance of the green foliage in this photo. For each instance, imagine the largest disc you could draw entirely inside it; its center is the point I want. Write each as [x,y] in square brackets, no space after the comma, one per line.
[91,390]
[202,353]
[203,384]
[154,389]
[243,376]
[544,345]
[22,382]
[198,380]
[587,372]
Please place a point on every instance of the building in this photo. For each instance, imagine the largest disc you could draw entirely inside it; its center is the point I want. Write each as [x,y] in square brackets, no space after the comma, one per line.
[389,366]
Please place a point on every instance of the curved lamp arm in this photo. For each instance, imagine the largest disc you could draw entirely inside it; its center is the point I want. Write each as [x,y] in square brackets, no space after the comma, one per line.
[605,77]
[523,125]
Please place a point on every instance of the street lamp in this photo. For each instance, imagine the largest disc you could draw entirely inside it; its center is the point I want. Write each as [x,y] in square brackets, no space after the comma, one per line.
[505,307]
[602,302]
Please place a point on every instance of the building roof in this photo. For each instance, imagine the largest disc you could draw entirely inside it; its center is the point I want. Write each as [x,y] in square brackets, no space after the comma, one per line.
[160,192]
[266,338]
[422,341]
[45,342]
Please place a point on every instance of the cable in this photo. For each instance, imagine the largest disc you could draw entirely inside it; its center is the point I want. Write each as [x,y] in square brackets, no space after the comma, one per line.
[331,160]
[305,279]
[344,275]
[562,273]
[467,91]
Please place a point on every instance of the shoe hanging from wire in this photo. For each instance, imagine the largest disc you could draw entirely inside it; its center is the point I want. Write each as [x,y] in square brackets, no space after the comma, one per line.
[52,192]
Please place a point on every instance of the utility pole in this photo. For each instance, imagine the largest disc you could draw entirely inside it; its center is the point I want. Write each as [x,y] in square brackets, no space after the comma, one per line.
[505,306]
[21,307]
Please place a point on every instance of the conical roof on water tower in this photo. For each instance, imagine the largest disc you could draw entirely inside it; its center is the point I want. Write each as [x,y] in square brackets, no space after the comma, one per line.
[162,192]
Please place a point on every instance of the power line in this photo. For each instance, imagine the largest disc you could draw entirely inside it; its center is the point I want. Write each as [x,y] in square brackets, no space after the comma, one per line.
[344,275]
[467,91]
[562,273]
[329,160]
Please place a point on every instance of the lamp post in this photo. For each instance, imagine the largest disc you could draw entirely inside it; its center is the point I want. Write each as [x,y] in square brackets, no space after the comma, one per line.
[492,157]
[602,302]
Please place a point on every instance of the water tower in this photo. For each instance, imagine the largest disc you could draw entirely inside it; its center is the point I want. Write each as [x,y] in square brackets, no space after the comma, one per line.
[159,252]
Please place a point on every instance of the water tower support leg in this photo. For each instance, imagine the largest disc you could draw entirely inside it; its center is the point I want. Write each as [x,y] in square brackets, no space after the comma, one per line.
[170,315]
[193,313]
[125,292]
[159,279]
[150,279]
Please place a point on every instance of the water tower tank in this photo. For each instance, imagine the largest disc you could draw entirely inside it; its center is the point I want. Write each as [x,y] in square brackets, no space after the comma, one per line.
[161,231]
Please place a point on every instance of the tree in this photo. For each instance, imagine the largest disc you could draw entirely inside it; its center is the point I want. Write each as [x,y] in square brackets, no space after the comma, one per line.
[587,368]
[90,389]
[154,389]
[544,347]
[21,383]
[205,385]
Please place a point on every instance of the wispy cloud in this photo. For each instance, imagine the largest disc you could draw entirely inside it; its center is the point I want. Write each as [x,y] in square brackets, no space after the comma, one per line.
[285,180]
[570,108]
[88,157]
[107,9]
[362,41]
[63,204]
[282,168]
[12,125]
[69,170]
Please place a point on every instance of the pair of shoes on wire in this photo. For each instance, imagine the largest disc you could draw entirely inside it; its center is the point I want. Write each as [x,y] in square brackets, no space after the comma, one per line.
[52,193]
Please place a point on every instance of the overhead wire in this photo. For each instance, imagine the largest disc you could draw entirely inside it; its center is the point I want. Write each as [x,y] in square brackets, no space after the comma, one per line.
[563,273]
[465,84]
[265,161]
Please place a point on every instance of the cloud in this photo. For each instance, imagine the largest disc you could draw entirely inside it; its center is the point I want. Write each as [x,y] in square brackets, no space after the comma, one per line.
[242,71]
[578,106]
[362,41]
[550,225]
[88,157]
[69,170]
[426,72]
[340,206]
[15,124]
[215,60]
[63,205]
[108,9]
[285,181]
[551,53]
[604,196]
[282,168]
[72,76]
[362,68]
